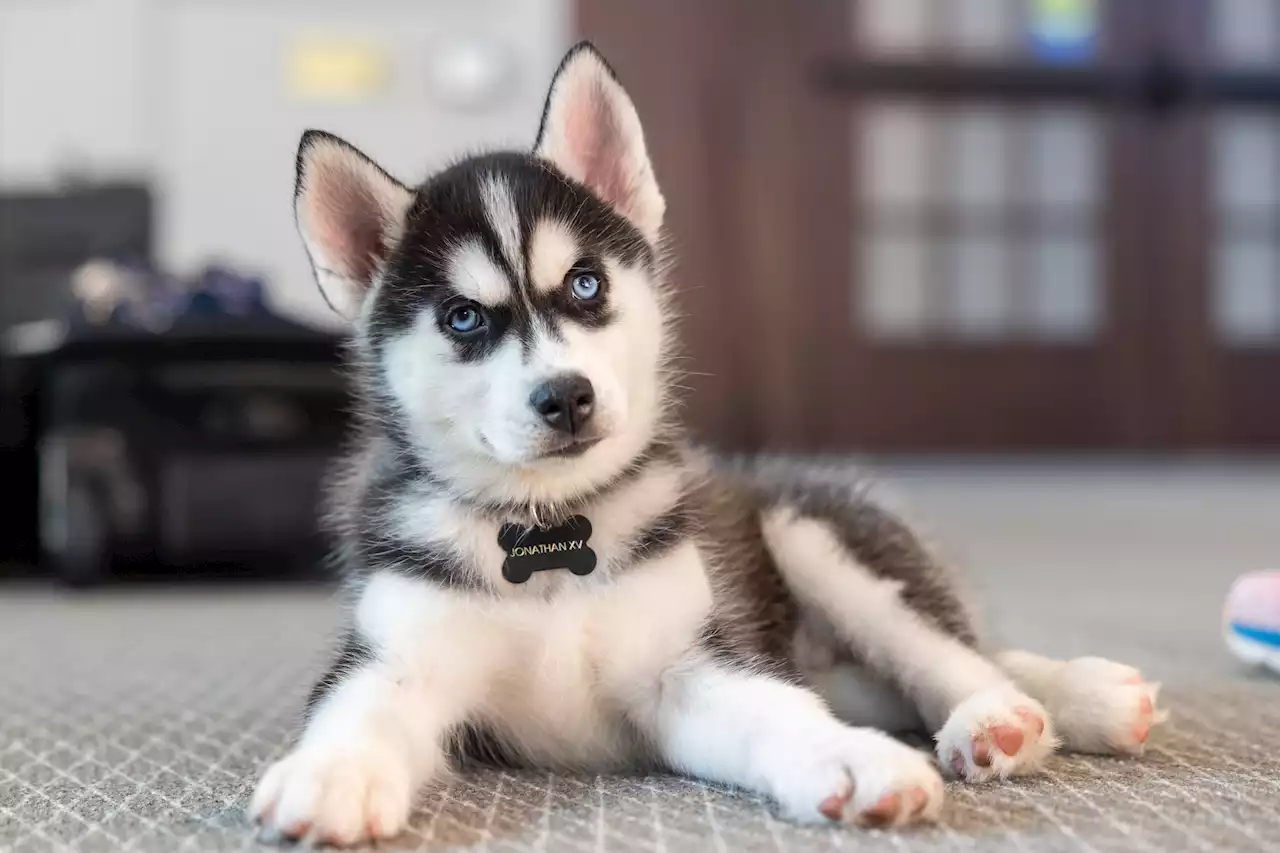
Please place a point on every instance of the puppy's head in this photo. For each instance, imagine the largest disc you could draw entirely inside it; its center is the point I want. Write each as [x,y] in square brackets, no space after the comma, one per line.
[509,312]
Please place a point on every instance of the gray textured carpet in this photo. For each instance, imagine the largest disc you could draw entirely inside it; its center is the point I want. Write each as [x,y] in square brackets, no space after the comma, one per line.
[132,720]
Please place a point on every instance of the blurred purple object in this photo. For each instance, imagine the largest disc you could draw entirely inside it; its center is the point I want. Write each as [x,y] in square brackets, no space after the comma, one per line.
[232,293]
[110,294]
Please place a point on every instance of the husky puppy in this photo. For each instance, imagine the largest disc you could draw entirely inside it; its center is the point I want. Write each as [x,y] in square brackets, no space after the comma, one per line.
[753,625]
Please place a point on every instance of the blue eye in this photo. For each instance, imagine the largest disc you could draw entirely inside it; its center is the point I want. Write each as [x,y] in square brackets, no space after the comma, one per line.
[464,320]
[585,285]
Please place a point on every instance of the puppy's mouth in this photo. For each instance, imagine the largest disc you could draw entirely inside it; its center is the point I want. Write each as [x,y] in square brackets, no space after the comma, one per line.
[570,447]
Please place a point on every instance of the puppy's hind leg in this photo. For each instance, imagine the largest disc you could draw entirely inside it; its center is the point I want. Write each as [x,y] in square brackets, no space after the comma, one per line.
[1098,706]
[986,727]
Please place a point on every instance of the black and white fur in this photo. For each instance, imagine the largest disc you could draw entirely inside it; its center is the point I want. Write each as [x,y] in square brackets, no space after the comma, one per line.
[753,625]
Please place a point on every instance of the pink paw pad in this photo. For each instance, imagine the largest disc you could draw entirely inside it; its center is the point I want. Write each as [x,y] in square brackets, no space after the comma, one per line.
[883,812]
[1146,716]
[832,808]
[1007,739]
[891,809]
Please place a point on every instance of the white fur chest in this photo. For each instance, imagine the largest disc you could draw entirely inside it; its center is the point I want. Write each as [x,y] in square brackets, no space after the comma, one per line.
[550,674]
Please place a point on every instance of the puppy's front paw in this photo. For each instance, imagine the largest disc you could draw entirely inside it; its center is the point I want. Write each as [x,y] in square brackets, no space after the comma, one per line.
[860,777]
[999,732]
[339,795]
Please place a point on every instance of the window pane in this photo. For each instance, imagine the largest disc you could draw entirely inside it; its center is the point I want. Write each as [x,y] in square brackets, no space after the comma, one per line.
[1245,31]
[1065,157]
[896,146]
[976,157]
[894,299]
[1246,162]
[986,28]
[1247,307]
[977,270]
[1065,301]
[896,26]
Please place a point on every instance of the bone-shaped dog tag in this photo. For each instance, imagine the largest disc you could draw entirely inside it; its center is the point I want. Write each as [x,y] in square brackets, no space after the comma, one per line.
[540,549]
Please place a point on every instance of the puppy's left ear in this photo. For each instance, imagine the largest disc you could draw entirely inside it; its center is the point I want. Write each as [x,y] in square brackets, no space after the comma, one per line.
[591,132]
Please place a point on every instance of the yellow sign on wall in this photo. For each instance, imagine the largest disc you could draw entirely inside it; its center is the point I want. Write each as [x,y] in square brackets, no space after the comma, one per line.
[338,68]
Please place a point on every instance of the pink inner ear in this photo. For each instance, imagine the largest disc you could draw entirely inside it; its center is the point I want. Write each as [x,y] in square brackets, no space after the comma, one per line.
[346,221]
[592,135]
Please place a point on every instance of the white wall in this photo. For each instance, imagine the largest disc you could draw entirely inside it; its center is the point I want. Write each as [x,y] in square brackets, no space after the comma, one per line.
[71,84]
[196,95]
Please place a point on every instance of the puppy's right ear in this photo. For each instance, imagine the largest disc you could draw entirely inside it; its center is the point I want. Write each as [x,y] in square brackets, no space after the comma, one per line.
[350,214]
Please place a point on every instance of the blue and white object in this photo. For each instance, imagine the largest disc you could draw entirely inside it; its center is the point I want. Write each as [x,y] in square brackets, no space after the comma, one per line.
[1251,619]
[1063,31]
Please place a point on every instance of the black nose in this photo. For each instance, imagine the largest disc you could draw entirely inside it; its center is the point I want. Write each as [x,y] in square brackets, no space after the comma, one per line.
[565,402]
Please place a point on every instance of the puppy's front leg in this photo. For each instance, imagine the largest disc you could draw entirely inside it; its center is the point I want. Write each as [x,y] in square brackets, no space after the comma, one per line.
[764,734]
[373,739]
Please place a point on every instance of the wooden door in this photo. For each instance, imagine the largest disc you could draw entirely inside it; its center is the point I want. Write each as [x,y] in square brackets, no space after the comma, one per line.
[979,226]
[1218,189]
[681,62]
[986,255]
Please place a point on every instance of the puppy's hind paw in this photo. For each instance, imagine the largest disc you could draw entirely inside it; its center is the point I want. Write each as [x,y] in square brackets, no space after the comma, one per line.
[997,733]
[1106,708]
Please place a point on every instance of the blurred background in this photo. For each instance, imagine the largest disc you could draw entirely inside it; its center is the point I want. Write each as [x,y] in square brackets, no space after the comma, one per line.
[1004,232]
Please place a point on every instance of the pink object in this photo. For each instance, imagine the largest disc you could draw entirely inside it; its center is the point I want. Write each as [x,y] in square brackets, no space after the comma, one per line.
[1254,601]
[1251,619]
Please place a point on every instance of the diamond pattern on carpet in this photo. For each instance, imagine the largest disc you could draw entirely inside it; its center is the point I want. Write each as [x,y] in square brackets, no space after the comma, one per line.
[140,721]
